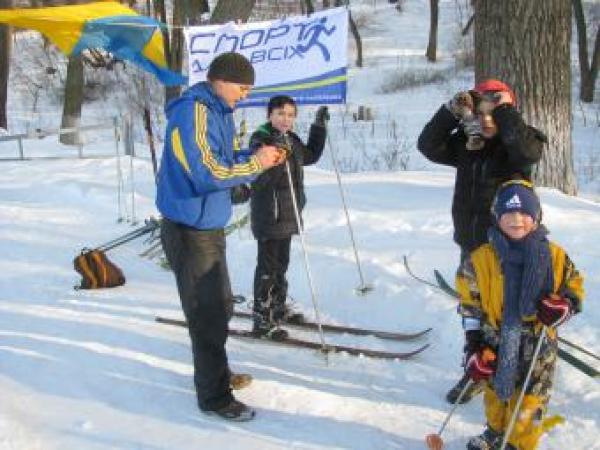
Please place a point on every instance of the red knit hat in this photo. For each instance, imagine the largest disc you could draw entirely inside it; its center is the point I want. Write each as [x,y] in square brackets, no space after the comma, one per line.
[492,85]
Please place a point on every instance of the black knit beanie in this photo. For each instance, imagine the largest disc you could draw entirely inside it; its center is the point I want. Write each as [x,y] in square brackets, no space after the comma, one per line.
[232,67]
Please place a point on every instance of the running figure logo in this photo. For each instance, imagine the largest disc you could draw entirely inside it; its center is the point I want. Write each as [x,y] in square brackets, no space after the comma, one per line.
[312,33]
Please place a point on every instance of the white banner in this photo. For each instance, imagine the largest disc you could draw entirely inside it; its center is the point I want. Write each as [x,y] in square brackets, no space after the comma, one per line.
[301,56]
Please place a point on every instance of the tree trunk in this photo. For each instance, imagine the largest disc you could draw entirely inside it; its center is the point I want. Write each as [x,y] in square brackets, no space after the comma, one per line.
[309,7]
[177,46]
[227,10]
[198,7]
[326,4]
[431,52]
[586,87]
[356,34]
[73,99]
[526,44]
[5,50]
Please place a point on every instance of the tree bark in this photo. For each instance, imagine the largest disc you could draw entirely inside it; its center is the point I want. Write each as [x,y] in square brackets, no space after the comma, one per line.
[227,10]
[73,99]
[309,7]
[5,50]
[527,45]
[356,34]
[586,70]
[177,45]
[431,52]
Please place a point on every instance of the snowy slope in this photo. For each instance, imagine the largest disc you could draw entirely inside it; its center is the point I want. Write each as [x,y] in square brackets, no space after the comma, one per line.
[93,370]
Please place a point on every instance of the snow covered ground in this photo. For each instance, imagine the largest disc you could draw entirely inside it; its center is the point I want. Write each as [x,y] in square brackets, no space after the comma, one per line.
[93,370]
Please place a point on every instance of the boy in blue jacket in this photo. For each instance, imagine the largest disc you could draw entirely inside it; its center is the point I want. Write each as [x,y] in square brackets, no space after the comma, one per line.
[200,164]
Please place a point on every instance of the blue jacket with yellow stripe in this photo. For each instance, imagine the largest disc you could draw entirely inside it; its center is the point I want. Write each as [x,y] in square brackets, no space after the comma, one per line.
[201,160]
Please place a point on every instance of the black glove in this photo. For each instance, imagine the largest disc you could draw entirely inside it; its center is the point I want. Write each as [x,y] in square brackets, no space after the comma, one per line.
[473,341]
[322,116]
[240,194]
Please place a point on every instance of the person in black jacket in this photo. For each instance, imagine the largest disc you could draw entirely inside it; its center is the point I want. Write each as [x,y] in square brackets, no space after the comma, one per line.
[482,135]
[273,218]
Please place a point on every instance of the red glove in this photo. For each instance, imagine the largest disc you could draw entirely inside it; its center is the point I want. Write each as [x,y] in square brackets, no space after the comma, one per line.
[554,310]
[481,365]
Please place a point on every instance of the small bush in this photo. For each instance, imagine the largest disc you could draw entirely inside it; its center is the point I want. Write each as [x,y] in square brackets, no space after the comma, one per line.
[405,80]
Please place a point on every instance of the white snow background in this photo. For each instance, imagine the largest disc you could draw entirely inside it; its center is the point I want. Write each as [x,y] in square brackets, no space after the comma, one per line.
[93,370]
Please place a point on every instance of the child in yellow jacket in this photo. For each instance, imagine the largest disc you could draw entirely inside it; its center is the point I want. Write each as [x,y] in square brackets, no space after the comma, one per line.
[510,288]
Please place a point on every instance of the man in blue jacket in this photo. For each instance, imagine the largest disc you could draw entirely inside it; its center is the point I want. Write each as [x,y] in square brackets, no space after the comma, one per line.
[200,164]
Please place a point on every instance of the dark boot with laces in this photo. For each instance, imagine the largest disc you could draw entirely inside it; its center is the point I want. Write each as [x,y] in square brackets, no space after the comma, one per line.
[293,317]
[488,440]
[235,411]
[267,329]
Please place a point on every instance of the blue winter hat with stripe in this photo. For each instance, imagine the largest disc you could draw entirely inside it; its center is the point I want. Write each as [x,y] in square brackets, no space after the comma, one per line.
[517,195]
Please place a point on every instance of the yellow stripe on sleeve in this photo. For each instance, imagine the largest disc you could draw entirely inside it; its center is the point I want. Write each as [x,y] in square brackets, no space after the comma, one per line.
[218,170]
[178,150]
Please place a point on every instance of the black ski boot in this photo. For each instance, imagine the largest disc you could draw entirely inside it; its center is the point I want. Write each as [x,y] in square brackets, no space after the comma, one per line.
[488,440]
[474,390]
[267,329]
[281,310]
[267,316]
[293,317]
[235,411]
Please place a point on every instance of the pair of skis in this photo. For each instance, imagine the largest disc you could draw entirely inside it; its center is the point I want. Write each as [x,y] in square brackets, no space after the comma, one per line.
[443,286]
[328,328]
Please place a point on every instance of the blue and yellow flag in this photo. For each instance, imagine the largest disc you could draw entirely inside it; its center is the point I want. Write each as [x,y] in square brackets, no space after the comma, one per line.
[107,25]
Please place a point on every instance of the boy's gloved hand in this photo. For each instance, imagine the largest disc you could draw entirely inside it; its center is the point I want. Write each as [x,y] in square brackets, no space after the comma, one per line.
[479,359]
[240,194]
[461,105]
[554,310]
[322,116]
[481,364]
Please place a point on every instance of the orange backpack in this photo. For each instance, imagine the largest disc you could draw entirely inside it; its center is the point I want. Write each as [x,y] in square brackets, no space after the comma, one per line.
[97,271]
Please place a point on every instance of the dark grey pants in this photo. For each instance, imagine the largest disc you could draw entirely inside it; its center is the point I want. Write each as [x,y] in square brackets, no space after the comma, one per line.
[197,259]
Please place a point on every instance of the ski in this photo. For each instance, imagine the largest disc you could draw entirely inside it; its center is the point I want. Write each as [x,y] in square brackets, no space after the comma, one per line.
[444,285]
[578,364]
[330,328]
[418,278]
[301,343]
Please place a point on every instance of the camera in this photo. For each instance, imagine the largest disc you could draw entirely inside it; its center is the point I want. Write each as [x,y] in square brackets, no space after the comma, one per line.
[472,127]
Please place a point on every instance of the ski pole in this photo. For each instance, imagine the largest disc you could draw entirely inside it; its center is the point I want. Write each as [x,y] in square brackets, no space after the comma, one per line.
[119,173]
[363,288]
[513,417]
[306,264]
[132,182]
[434,441]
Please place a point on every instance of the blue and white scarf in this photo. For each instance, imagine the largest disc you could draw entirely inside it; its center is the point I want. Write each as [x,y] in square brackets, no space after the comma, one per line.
[528,277]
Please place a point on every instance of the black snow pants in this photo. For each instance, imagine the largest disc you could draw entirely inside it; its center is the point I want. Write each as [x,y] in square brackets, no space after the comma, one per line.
[270,284]
[198,261]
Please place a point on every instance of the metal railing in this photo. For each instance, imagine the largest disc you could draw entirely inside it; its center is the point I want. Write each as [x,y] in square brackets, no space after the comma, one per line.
[115,124]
